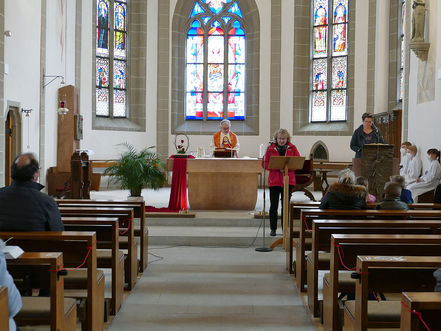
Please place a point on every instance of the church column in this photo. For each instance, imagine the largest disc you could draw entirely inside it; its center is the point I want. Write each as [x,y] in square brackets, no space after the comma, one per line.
[381,103]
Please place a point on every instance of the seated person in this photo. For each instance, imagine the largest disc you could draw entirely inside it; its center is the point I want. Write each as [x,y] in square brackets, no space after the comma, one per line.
[14,298]
[344,194]
[405,196]
[431,177]
[392,193]
[22,206]
[414,166]
[363,181]
[225,139]
[405,157]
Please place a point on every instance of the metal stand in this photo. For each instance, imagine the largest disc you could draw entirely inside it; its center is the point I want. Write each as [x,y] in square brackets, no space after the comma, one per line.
[263,248]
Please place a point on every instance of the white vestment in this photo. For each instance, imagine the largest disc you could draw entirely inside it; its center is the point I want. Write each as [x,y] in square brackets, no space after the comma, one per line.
[413,169]
[404,164]
[429,180]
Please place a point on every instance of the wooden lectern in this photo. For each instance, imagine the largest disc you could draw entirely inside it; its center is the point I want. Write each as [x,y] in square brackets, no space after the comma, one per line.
[377,164]
[285,163]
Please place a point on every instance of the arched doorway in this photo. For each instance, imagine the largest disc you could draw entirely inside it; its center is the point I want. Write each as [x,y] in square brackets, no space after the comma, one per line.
[12,140]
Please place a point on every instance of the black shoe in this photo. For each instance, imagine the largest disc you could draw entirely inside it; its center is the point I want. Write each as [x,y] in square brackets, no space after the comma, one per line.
[273,233]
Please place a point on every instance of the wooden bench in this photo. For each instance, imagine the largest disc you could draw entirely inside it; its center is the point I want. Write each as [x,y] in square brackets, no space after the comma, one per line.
[56,311]
[4,309]
[141,229]
[321,243]
[387,274]
[426,303]
[123,214]
[107,237]
[75,246]
[308,215]
[352,245]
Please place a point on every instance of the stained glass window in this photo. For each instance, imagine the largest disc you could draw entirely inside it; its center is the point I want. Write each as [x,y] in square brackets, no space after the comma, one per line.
[402,29]
[215,61]
[111,58]
[329,60]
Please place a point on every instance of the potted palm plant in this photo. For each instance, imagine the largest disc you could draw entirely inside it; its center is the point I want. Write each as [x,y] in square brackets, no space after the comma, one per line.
[136,170]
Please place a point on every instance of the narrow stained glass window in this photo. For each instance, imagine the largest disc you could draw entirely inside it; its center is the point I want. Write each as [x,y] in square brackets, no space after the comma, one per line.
[329,60]
[215,61]
[401,31]
[111,58]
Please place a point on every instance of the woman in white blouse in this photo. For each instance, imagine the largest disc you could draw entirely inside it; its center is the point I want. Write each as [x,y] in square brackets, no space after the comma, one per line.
[414,166]
[431,177]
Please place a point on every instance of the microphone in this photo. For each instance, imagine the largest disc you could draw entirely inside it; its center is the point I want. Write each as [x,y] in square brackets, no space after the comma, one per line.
[271,142]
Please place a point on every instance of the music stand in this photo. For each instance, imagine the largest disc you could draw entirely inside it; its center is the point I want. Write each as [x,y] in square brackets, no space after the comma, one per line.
[285,163]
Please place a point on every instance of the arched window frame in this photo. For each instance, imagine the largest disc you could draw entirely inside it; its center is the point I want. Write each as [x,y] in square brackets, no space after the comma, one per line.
[331,92]
[111,86]
[178,122]
[222,19]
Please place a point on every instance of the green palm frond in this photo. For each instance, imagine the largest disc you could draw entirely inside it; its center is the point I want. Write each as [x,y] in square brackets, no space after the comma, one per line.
[137,170]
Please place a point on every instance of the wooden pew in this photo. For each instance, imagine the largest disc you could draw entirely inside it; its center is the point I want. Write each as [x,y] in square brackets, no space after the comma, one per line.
[107,236]
[321,243]
[58,312]
[387,274]
[141,229]
[123,214]
[353,245]
[75,246]
[308,215]
[426,303]
[4,309]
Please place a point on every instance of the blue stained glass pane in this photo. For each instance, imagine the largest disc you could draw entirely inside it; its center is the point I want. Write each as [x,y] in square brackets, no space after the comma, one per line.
[216,24]
[197,9]
[195,49]
[234,9]
[196,31]
[119,74]
[120,17]
[236,49]
[102,72]
[236,78]
[206,19]
[216,5]
[236,24]
[226,19]
[196,24]
[102,13]
[194,106]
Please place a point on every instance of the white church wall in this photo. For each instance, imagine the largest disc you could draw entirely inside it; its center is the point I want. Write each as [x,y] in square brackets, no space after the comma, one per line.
[103,142]
[425,89]
[22,59]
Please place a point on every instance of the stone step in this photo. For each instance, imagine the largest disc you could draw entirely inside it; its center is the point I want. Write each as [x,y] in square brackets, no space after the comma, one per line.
[218,236]
[208,222]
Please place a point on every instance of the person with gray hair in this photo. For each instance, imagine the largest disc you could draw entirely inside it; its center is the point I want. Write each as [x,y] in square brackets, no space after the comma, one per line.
[345,194]
[225,139]
[392,194]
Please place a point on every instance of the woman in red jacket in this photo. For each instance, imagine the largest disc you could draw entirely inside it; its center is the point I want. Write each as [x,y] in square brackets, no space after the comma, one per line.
[281,146]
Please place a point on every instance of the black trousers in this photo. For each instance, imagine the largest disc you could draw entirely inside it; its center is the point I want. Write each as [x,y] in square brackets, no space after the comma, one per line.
[276,194]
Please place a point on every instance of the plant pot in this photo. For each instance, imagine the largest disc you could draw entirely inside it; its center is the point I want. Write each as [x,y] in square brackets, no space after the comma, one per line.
[130,198]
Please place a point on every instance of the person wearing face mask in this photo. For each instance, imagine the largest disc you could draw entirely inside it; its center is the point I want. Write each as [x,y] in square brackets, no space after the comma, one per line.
[281,146]
[414,166]
[431,177]
[367,133]
[405,158]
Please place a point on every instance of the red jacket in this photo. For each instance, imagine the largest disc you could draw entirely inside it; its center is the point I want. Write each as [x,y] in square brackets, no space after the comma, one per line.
[275,177]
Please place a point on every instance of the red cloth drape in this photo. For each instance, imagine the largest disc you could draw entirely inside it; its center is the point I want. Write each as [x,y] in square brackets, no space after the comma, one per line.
[178,193]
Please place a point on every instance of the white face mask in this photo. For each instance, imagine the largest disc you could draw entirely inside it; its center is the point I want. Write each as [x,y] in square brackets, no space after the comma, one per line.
[429,157]
[403,151]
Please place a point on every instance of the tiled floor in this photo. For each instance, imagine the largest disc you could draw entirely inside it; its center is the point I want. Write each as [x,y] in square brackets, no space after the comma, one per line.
[196,288]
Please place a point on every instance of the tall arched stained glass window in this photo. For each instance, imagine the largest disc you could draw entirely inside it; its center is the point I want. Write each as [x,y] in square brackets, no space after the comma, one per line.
[401,31]
[215,61]
[111,58]
[329,61]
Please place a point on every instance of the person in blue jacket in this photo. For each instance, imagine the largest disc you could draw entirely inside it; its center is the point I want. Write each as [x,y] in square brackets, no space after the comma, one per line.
[367,133]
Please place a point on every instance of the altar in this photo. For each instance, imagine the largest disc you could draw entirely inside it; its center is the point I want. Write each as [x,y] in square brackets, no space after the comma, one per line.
[222,183]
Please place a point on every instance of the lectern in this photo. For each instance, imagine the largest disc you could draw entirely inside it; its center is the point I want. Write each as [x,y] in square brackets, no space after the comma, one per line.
[285,163]
[377,164]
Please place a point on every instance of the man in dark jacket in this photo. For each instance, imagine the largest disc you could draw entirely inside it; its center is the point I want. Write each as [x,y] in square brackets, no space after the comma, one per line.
[392,194]
[22,206]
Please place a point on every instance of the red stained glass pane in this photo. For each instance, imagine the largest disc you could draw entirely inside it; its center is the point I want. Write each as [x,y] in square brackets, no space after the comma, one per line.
[215,77]
[339,72]
[320,12]
[339,39]
[215,106]
[194,106]
[340,11]
[236,106]
[320,74]
[320,41]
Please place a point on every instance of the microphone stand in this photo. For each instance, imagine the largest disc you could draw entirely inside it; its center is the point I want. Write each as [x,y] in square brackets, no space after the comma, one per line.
[263,248]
